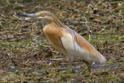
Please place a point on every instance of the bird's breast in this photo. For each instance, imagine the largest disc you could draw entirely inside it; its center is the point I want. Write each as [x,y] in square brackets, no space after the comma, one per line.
[53,35]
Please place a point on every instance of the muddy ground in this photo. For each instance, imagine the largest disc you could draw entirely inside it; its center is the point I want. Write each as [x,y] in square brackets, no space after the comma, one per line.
[27,57]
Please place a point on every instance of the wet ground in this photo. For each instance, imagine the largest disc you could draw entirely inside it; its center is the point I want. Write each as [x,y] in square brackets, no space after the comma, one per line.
[27,57]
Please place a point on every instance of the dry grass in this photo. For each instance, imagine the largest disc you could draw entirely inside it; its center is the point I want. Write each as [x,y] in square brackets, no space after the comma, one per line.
[26,57]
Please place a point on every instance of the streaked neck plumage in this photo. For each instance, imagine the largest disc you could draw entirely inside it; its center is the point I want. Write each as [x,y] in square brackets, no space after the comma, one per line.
[54,21]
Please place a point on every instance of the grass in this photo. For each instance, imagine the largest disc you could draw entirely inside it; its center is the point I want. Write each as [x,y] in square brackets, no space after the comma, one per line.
[26,57]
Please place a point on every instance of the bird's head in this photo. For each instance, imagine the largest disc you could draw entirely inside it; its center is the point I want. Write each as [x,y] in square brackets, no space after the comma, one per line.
[45,16]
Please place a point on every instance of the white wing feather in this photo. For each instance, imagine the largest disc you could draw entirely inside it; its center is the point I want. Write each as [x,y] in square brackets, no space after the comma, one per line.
[73,49]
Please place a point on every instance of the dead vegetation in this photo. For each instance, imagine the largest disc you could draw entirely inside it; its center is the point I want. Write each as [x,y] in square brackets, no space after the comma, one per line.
[26,57]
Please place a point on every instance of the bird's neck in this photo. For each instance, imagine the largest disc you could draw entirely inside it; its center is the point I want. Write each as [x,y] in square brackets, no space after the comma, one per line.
[55,22]
[58,23]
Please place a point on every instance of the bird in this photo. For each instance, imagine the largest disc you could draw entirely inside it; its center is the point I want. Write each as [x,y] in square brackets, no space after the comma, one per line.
[67,41]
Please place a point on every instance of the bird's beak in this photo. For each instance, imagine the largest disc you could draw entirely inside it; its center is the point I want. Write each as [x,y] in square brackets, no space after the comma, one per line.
[26,16]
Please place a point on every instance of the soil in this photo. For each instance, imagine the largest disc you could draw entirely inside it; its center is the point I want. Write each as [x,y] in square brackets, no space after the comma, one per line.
[27,57]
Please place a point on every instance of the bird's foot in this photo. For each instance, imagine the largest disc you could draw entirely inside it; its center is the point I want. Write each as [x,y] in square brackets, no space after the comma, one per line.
[97,66]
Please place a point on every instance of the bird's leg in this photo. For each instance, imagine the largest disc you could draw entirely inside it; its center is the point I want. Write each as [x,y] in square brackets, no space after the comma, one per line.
[88,67]
[72,66]
[70,60]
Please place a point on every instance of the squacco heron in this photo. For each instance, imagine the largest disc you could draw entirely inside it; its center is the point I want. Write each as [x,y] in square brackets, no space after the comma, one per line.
[66,40]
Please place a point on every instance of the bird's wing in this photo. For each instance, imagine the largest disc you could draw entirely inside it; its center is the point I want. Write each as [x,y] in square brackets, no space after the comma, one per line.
[82,43]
